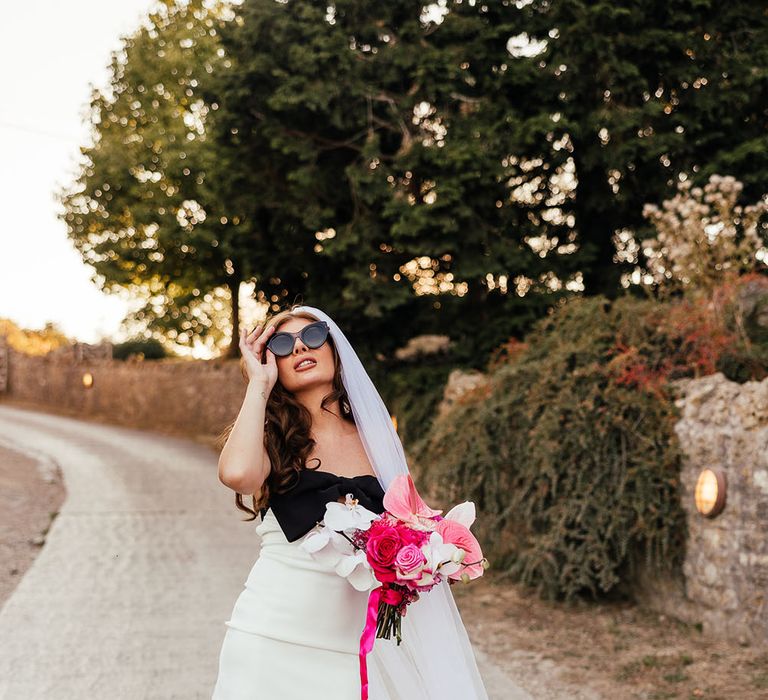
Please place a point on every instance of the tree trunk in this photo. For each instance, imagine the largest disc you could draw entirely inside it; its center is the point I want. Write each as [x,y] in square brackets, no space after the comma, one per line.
[595,223]
[233,349]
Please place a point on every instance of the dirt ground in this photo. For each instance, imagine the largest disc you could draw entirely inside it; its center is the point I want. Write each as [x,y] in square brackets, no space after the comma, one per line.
[30,497]
[587,652]
[614,650]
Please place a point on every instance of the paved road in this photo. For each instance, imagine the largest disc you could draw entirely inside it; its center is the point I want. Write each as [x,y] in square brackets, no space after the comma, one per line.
[128,596]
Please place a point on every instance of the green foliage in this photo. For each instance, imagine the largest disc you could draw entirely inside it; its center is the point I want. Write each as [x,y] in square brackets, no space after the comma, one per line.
[631,95]
[140,211]
[575,477]
[744,312]
[412,392]
[409,173]
[571,456]
[372,187]
[148,348]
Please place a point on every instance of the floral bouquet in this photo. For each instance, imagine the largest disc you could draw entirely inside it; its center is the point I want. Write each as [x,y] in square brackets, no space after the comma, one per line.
[407,549]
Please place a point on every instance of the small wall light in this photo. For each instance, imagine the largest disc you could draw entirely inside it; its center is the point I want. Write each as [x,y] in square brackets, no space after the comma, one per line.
[87,380]
[710,492]
[394,421]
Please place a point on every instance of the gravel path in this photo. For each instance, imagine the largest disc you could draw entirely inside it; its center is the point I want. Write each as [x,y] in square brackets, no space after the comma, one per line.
[128,596]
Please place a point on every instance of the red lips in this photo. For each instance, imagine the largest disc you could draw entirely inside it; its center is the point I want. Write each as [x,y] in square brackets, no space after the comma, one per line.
[301,359]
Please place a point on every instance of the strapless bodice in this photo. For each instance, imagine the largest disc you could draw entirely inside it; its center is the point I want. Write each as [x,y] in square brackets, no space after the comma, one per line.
[299,509]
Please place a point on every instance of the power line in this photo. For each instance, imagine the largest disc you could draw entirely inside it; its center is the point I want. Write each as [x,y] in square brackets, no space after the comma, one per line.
[39,132]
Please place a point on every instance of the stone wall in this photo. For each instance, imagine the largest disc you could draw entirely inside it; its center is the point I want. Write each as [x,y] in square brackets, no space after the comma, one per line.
[191,397]
[723,425]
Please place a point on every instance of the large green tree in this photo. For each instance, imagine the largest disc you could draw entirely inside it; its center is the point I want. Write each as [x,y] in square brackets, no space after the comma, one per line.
[389,177]
[141,211]
[476,162]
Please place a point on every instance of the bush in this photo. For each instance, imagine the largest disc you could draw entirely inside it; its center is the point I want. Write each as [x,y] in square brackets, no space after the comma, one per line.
[571,459]
[412,392]
[575,476]
[148,348]
[743,306]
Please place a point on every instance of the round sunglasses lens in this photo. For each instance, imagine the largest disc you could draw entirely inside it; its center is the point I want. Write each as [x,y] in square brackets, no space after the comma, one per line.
[315,336]
[281,344]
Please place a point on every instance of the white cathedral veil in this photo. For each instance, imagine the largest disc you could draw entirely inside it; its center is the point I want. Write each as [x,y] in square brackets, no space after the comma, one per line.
[435,658]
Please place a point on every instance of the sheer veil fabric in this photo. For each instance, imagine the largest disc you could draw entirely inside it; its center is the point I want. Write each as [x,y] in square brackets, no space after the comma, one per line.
[435,658]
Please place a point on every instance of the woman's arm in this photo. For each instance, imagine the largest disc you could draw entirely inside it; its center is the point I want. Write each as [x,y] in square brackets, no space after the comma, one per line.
[243,463]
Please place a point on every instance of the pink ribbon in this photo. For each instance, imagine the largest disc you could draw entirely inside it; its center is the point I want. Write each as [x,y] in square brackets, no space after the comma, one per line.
[367,638]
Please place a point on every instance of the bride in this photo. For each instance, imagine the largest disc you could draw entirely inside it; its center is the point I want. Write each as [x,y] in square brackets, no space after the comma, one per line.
[295,629]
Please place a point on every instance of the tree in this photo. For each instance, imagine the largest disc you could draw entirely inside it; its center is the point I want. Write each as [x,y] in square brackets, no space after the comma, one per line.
[636,94]
[141,211]
[32,342]
[459,167]
[384,171]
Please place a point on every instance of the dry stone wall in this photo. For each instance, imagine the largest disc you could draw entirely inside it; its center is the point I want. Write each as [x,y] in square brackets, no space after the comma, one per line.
[192,397]
[723,425]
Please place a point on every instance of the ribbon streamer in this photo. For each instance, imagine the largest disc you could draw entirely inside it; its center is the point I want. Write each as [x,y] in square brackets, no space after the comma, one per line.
[368,637]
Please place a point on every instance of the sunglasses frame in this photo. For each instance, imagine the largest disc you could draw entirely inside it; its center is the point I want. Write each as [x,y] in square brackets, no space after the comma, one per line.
[300,335]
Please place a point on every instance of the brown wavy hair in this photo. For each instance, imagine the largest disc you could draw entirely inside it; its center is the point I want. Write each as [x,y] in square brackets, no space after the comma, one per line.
[287,426]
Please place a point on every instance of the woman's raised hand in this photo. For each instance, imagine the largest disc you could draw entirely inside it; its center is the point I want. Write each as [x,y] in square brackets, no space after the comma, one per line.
[253,348]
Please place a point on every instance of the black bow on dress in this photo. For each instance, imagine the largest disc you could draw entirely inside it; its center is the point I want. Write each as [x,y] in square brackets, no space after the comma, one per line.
[303,506]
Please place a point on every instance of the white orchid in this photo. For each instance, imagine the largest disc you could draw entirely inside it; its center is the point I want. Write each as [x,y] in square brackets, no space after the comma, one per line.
[330,547]
[348,515]
[356,569]
[463,513]
[441,559]
[326,546]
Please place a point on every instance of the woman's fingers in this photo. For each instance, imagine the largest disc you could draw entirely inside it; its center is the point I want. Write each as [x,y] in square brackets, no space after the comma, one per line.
[254,342]
[262,339]
[247,336]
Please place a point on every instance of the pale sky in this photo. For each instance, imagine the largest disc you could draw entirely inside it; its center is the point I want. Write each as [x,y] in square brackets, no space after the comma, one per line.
[51,52]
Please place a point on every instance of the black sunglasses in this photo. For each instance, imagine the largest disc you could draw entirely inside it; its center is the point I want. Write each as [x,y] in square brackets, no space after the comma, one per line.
[312,335]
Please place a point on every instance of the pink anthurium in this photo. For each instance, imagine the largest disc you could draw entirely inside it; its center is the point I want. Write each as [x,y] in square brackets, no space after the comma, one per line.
[455,533]
[403,501]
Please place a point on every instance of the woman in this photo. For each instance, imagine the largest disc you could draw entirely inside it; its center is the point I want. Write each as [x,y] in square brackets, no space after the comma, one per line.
[295,629]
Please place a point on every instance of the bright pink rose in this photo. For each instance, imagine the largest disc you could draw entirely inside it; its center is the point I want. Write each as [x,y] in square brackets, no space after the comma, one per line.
[409,562]
[455,533]
[381,549]
[410,536]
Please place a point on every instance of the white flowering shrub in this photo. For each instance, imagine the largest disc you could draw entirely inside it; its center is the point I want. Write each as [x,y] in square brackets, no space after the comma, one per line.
[422,345]
[704,236]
